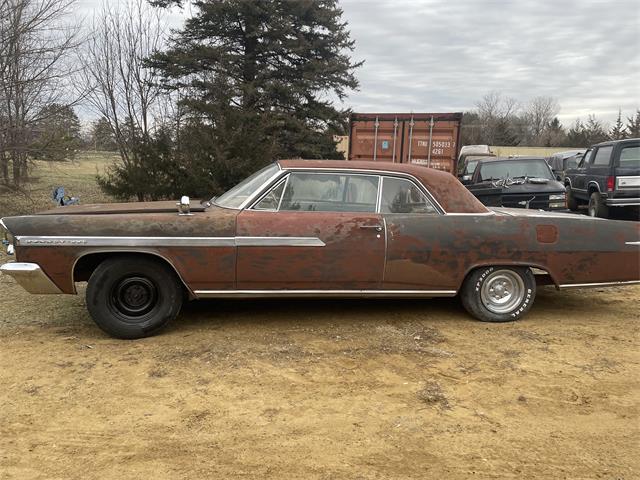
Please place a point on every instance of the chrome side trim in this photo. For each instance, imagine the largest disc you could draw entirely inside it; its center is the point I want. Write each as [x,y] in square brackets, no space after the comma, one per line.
[602,284]
[30,277]
[60,241]
[279,242]
[632,243]
[324,293]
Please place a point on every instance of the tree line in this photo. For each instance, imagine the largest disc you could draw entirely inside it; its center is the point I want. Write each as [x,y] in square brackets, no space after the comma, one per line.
[501,120]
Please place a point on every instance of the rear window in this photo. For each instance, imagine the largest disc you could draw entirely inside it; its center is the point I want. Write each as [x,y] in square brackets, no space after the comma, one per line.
[630,156]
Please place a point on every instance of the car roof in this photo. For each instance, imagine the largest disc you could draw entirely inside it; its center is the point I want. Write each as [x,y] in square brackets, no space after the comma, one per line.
[445,188]
[614,142]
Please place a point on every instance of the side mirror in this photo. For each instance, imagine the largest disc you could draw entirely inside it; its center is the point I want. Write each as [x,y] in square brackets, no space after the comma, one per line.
[465,179]
[184,206]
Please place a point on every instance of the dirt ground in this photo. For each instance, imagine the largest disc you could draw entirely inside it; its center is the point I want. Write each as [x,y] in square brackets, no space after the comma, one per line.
[323,390]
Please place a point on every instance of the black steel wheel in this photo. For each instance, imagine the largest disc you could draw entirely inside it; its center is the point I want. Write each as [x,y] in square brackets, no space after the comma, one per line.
[133,296]
[499,294]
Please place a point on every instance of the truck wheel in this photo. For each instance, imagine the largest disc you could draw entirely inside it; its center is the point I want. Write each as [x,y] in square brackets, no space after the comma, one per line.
[499,294]
[572,203]
[597,208]
[132,297]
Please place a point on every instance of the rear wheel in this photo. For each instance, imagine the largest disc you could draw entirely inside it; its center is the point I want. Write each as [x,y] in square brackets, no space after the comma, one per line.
[597,208]
[133,297]
[499,294]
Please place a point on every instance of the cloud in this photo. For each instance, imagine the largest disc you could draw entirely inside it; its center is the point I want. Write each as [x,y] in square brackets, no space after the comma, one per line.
[443,56]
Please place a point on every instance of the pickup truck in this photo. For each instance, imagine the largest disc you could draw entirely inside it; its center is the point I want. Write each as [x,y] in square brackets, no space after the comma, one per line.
[607,176]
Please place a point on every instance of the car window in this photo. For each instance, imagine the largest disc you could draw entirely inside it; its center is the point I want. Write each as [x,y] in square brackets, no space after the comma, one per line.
[403,196]
[515,168]
[330,192]
[586,158]
[603,154]
[271,201]
[630,156]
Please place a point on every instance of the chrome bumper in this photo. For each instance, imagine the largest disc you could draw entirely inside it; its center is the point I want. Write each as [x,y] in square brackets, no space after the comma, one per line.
[622,202]
[30,277]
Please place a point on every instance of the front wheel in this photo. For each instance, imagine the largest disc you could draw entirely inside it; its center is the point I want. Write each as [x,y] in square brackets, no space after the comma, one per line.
[132,297]
[499,294]
[572,202]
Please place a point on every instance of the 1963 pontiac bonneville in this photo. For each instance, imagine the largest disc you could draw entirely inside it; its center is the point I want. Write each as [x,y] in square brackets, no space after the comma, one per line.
[306,228]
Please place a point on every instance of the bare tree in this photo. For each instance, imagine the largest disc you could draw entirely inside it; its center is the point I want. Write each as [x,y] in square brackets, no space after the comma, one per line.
[122,89]
[538,115]
[496,113]
[36,45]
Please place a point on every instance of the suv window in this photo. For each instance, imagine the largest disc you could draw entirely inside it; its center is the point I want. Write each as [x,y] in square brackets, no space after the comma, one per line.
[403,196]
[586,158]
[630,156]
[329,192]
[603,155]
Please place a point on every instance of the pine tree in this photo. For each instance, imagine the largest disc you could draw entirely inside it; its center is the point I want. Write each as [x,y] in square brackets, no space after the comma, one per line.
[633,125]
[618,131]
[257,76]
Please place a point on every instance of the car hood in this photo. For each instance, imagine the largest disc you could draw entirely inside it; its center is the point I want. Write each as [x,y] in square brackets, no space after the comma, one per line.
[120,208]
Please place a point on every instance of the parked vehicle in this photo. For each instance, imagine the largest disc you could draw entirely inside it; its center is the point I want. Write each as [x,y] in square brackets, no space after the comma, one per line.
[429,139]
[468,159]
[560,162]
[304,228]
[608,176]
[519,182]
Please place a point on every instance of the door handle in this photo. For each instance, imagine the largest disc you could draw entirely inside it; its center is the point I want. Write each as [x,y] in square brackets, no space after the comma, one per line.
[377,228]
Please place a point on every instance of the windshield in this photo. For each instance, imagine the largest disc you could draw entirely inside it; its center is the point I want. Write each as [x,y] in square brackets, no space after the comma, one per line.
[514,169]
[235,197]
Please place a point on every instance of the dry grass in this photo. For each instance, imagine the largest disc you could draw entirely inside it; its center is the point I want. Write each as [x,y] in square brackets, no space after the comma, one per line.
[77,177]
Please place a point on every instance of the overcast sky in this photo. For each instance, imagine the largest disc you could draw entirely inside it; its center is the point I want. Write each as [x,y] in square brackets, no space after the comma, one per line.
[435,55]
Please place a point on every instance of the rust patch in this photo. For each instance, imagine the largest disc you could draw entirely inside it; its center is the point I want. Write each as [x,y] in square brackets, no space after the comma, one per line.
[547,233]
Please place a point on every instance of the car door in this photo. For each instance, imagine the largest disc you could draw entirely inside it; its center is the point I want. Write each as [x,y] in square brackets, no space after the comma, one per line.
[313,231]
[413,226]
[599,168]
[579,175]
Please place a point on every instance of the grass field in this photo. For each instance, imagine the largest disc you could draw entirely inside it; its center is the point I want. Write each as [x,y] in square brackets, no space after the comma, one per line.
[77,177]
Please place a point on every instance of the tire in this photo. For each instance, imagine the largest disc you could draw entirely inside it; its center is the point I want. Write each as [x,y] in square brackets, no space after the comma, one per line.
[499,294]
[133,297]
[597,208]
[572,202]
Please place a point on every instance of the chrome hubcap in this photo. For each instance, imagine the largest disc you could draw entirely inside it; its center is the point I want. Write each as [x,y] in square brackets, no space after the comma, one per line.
[502,291]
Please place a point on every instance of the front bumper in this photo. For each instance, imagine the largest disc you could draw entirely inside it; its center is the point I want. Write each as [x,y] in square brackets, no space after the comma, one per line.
[30,277]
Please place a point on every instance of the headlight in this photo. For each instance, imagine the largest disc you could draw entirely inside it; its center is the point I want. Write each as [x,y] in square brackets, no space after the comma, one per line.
[557,196]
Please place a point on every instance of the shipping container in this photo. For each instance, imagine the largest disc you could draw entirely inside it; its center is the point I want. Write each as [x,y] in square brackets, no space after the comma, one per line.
[429,139]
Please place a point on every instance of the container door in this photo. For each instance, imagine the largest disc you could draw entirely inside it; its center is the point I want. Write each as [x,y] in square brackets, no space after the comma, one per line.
[376,140]
[432,143]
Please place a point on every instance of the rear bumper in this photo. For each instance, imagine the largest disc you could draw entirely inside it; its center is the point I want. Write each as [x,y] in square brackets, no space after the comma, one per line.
[622,202]
[30,277]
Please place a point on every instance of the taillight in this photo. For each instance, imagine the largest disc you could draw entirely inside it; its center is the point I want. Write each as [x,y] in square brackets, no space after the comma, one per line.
[611,181]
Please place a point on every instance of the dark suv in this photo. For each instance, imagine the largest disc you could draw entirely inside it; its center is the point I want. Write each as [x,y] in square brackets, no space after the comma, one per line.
[607,176]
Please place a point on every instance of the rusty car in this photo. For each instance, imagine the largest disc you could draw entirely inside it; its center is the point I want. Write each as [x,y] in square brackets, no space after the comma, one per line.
[315,228]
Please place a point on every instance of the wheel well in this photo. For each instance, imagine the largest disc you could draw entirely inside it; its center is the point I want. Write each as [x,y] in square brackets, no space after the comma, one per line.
[541,275]
[86,265]
[592,188]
